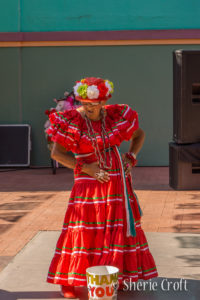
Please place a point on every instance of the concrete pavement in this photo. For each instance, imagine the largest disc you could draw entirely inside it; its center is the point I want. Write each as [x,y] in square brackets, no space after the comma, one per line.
[176,256]
[32,208]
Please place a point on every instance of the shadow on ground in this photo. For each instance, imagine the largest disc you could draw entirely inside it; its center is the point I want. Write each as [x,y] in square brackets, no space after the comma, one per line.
[144,178]
[164,289]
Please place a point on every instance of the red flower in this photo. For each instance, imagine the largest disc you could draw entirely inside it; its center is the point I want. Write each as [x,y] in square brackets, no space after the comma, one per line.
[93,80]
[53,110]
[47,112]
[102,90]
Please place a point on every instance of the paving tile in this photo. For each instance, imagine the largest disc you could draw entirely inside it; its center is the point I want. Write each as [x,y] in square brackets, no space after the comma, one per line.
[4,260]
[34,200]
[25,277]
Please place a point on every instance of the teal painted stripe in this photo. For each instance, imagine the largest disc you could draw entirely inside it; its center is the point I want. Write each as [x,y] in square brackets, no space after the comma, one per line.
[61,15]
[10,16]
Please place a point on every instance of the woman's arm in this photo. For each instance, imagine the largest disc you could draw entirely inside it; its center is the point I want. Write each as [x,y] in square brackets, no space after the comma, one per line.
[60,154]
[137,141]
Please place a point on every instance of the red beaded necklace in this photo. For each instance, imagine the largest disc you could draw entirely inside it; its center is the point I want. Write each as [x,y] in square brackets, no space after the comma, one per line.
[101,158]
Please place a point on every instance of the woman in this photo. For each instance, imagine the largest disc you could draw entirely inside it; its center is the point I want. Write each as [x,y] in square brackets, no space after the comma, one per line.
[102,221]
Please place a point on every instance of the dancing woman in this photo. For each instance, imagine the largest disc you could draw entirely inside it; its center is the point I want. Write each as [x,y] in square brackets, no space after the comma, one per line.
[102,221]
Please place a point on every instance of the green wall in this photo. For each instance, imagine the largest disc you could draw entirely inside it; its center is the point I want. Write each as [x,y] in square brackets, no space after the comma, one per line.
[142,76]
[67,15]
[10,15]
[10,86]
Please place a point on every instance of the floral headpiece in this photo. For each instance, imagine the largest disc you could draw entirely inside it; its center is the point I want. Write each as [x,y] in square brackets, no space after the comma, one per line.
[92,89]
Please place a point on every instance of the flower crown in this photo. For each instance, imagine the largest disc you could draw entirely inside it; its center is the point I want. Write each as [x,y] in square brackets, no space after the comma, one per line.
[93,89]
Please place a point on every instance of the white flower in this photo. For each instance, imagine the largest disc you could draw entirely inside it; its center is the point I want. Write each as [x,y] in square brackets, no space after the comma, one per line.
[92,92]
[107,84]
[76,87]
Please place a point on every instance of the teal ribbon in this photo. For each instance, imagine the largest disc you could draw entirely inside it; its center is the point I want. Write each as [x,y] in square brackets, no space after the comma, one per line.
[130,213]
[131,220]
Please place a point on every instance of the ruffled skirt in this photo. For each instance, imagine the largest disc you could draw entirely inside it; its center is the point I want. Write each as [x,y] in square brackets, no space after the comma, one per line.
[94,233]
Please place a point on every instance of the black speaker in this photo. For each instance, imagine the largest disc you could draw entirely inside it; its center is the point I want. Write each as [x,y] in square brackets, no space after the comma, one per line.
[184,166]
[15,145]
[186,96]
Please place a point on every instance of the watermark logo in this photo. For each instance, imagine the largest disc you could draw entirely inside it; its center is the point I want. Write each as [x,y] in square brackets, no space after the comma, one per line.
[165,285]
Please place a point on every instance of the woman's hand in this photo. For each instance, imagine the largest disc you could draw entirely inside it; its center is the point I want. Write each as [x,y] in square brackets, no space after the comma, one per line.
[127,164]
[93,170]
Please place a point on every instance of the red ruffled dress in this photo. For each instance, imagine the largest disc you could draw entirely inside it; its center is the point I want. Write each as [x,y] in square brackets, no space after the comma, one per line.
[96,220]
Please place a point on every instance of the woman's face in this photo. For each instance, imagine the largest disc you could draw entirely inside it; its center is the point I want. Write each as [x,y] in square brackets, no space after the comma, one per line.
[92,110]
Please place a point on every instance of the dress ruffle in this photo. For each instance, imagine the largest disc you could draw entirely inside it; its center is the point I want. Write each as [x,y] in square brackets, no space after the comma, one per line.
[94,233]
[70,130]
[123,119]
[65,128]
